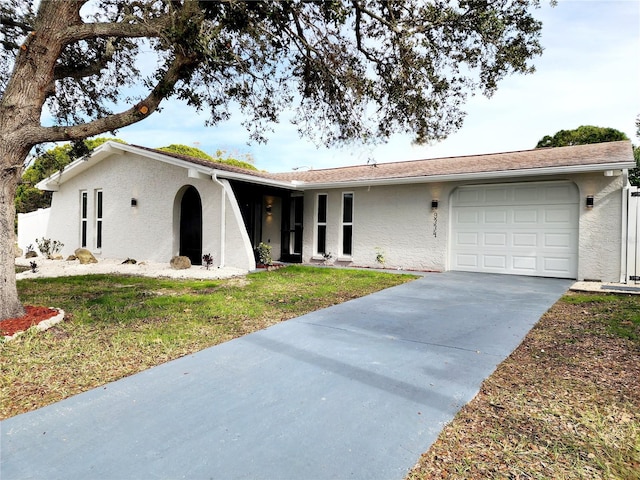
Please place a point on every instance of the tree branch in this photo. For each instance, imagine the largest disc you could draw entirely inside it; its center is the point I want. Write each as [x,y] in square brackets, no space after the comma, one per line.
[77,73]
[178,70]
[152,28]
[10,22]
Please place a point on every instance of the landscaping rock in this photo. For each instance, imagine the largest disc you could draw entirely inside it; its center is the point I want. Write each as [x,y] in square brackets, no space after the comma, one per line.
[129,261]
[85,256]
[17,251]
[71,258]
[180,263]
[57,256]
[30,254]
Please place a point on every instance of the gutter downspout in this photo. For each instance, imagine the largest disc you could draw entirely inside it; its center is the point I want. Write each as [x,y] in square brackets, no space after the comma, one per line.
[624,244]
[223,222]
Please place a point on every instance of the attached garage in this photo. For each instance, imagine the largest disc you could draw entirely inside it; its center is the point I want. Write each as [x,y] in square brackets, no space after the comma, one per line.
[518,229]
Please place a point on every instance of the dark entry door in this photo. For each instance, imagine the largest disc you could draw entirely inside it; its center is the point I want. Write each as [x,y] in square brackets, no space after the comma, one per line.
[292,230]
[191,226]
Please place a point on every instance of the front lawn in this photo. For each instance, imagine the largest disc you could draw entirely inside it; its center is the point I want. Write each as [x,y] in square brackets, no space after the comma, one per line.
[119,325]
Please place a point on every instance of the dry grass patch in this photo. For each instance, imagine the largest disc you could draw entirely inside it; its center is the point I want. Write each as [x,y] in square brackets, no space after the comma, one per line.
[564,405]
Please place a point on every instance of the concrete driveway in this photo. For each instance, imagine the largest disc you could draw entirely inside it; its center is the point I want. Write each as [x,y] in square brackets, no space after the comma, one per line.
[358,390]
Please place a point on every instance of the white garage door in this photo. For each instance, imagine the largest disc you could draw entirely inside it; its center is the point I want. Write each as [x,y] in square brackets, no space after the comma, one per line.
[518,229]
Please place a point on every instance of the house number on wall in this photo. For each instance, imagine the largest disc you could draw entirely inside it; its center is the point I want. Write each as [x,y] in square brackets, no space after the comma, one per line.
[435,223]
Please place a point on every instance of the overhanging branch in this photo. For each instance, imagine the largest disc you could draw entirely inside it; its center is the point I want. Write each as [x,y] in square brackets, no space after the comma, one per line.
[179,68]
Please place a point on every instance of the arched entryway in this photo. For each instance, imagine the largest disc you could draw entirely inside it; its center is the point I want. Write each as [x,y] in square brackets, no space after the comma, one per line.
[191,226]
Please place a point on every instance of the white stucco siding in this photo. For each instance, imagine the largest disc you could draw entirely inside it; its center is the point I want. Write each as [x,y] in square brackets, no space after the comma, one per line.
[600,227]
[396,221]
[238,252]
[144,231]
[150,230]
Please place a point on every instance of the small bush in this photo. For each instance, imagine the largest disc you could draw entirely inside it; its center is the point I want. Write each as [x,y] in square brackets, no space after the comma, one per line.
[49,247]
[264,254]
[207,259]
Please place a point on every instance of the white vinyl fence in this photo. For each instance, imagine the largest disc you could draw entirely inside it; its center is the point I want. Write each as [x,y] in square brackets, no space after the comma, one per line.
[633,236]
[32,225]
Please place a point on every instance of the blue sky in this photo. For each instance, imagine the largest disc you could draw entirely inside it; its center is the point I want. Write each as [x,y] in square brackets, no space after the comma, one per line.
[589,74]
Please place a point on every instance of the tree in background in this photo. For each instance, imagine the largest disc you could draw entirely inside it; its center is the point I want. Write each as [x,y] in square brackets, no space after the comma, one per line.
[349,69]
[581,136]
[221,156]
[28,197]
[589,134]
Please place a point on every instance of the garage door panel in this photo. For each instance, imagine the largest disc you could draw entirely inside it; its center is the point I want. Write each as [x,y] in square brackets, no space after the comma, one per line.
[494,239]
[467,260]
[527,195]
[468,197]
[494,261]
[496,195]
[558,240]
[525,239]
[466,239]
[468,217]
[525,215]
[533,232]
[557,265]
[525,265]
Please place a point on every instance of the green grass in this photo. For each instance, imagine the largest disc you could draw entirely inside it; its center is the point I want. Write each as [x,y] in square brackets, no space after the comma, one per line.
[119,325]
[620,313]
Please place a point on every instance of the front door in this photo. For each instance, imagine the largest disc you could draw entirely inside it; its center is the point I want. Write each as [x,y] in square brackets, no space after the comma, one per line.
[191,226]
[292,229]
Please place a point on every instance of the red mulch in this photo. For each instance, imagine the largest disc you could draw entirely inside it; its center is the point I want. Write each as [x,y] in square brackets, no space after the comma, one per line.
[33,316]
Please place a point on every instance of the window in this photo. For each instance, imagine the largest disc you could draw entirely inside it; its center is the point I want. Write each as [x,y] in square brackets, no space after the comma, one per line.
[321,224]
[347,224]
[98,218]
[83,219]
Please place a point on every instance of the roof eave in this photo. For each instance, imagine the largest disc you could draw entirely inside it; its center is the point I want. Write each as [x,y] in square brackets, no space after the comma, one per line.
[460,177]
[255,179]
[52,183]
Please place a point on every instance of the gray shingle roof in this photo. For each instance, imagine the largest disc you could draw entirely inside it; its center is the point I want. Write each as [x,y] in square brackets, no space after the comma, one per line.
[579,155]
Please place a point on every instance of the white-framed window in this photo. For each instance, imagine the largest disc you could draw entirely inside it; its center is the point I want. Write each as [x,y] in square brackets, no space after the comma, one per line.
[321,224]
[84,207]
[99,210]
[347,224]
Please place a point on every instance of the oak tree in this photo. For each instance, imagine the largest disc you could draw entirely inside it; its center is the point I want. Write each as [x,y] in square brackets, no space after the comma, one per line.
[352,70]
[582,135]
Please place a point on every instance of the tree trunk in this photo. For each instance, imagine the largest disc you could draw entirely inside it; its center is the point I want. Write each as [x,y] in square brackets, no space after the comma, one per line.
[10,305]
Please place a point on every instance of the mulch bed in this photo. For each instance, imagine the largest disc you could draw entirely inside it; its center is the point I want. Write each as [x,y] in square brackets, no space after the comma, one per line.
[33,316]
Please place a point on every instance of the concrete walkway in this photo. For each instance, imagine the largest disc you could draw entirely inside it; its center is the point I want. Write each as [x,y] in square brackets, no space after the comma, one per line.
[355,391]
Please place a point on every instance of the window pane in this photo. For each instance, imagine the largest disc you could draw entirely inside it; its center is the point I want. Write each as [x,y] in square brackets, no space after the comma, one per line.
[99,235]
[346,239]
[347,215]
[83,240]
[322,208]
[84,205]
[99,202]
[322,238]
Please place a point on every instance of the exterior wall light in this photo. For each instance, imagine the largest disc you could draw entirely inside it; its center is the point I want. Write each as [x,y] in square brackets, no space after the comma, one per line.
[589,201]
[434,204]
[269,209]
[134,202]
